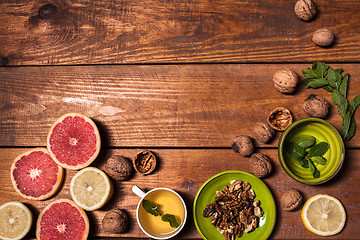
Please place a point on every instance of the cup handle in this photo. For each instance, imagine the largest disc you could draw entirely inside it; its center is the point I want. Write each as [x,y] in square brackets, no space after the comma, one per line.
[140,193]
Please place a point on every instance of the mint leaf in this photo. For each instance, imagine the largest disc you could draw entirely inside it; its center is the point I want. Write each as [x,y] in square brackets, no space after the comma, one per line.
[318,159]
[171,219]
[309,73]
[315,172]
[328,88]
[354,104]
[344,129]
[320,68]
[339,70]
[348,128]
[319,149]
[352,129]
[343,85]
[334,78]
[317,83]
[150,207]
[305,141]
[295,151]
[340,101]
[306,163]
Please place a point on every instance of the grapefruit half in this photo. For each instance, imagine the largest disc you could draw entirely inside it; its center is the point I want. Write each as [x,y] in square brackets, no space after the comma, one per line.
[35,175]
[62,219]
[73,141]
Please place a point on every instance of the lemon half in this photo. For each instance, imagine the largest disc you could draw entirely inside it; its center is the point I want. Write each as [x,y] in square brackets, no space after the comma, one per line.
[323,215]
[15,220]
[90,188]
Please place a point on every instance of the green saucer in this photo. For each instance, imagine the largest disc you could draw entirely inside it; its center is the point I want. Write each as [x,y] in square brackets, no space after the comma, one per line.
[323,132]
[206,195]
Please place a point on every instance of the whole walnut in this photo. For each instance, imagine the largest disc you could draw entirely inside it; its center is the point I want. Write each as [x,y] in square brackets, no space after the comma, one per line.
[316,106]
[119,168]
[260,165]
[323,37]
[305,9]
[285,81]
[291,200]
[115,221]
[264,132]
[243,145]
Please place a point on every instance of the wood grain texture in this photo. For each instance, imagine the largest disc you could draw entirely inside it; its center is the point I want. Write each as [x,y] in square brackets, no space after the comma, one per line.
[185,170]
[177,31]
[153,105]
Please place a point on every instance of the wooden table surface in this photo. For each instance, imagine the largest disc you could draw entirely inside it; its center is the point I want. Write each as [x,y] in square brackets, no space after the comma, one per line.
[180,78]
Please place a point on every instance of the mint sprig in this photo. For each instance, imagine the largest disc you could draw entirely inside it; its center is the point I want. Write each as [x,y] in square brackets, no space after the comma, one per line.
[306,152]
[320,75]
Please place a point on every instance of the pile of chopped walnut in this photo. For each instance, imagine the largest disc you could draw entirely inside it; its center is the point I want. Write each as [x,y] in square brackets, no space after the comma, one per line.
[234,210]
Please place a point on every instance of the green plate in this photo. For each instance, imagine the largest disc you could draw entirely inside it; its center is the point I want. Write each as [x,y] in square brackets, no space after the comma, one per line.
[206,195]
[323,132]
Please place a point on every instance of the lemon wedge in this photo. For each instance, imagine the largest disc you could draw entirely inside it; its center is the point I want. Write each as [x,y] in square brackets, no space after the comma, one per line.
[323,215]
[15,220]
[90,188]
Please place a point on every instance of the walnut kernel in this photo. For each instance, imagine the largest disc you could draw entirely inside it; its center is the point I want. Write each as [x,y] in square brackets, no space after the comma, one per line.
[305,9]
[118,167]
[115,221]
[260,165]
[243,145]
[316,106]
[291,200]
[144,162]
[285,81]
[280,118]
[264,132]
[323,37]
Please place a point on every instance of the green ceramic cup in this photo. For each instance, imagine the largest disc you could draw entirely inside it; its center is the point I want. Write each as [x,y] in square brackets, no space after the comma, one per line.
[323,132]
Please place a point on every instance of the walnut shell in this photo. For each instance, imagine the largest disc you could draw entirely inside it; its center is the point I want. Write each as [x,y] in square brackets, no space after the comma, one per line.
[144,162]
[316,106]
[118,167]
[260,165]
[291,200]
[280,118]
[285,81]
[115,221]
[305,9]
[323,37]
[264,132]
[243,145]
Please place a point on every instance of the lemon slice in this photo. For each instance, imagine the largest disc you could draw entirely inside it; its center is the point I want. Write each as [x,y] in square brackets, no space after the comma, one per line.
[323,215]
[15,220]
[90,188]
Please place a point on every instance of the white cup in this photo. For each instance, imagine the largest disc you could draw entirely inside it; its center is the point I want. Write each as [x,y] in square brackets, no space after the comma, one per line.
[142,195]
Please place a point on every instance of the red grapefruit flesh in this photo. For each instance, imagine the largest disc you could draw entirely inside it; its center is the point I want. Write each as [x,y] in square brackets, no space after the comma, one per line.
[35,175]
[60,220]
[73,141]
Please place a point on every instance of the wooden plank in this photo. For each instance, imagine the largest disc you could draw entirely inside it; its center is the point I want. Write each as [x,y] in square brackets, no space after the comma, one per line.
[185,170]
[114,31]
[153,105]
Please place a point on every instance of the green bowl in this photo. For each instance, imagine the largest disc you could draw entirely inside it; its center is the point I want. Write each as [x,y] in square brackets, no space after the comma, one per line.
[323,132]
[206,195]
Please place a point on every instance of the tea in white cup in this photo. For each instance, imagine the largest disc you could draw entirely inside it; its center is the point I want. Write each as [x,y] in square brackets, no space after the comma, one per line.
[168,202]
